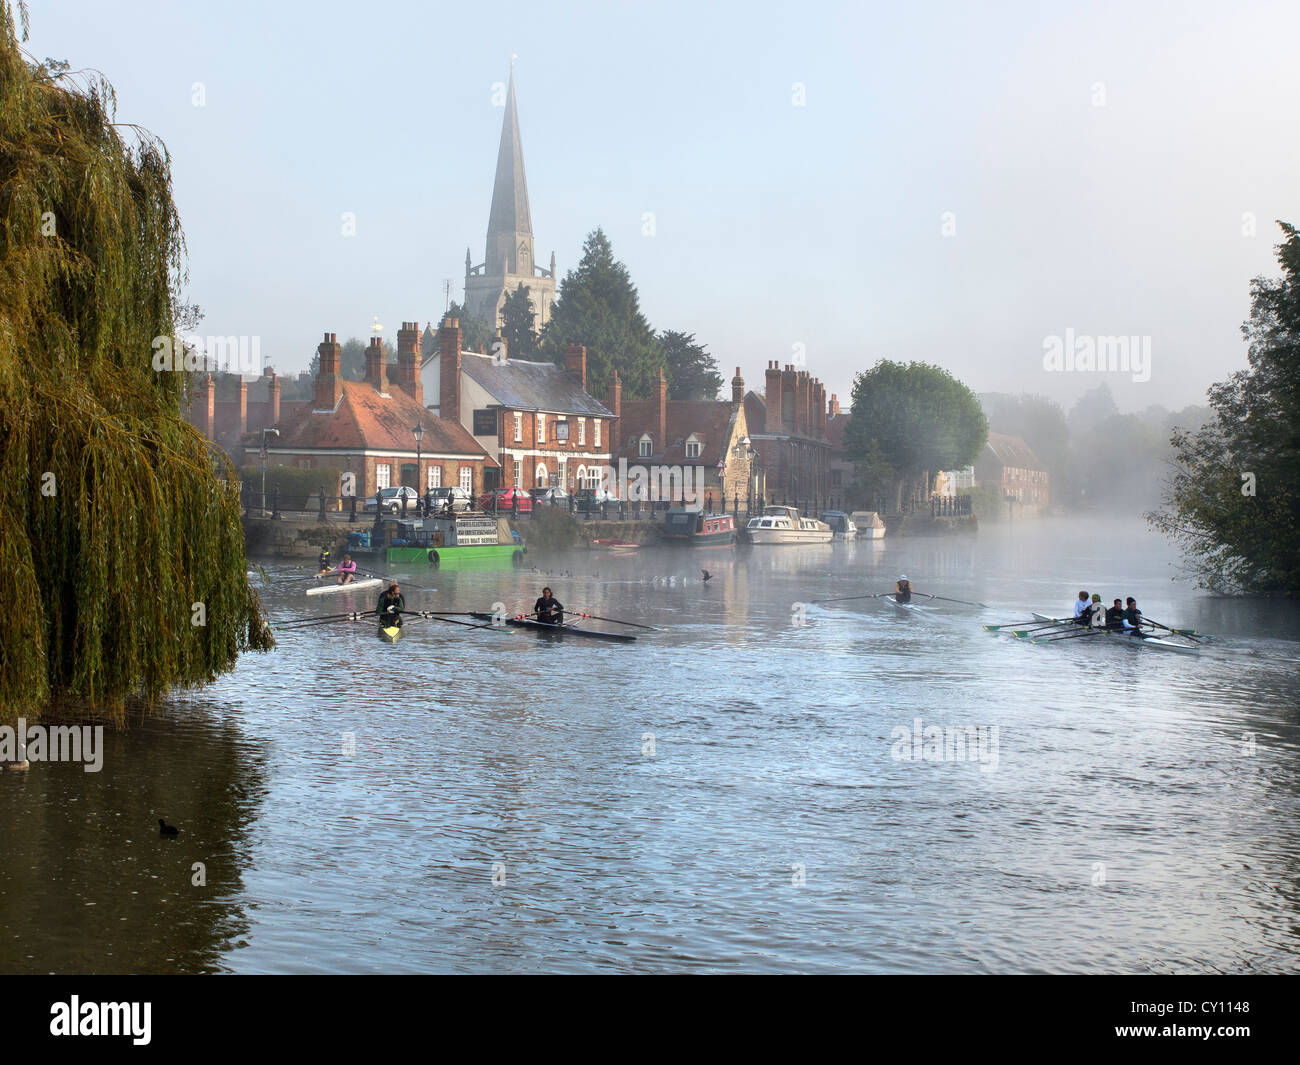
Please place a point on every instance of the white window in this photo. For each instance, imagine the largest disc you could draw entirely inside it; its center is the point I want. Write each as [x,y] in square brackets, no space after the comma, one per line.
[383,475]
[519,428]
[692,447]
[646,443]
[582,477]
[467,478]
[595,431]
[540,478]
[519,474]
[435,476]
[541,428]
[582,431]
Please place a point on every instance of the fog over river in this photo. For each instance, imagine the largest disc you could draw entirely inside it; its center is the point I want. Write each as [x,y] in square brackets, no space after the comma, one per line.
[723,796]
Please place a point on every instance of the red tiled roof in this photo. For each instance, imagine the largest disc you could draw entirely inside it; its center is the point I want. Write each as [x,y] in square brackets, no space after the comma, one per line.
[1011,451]
[366,419]
[709,420]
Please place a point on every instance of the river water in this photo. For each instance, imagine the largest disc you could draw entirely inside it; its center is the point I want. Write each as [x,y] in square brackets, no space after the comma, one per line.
[728,795]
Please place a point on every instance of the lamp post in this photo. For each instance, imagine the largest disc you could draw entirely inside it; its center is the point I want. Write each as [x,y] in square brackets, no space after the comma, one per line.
[265,433]
[418,433]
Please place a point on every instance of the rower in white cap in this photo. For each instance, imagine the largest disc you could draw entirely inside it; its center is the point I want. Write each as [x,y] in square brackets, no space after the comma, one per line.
[903,590]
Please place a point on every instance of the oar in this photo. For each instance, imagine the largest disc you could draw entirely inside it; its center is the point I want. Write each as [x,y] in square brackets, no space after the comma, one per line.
[468,624]
[323,621]
[1067,636]
[312,620]
[1026,626]
[1191,634]
[963,602]
[616,621]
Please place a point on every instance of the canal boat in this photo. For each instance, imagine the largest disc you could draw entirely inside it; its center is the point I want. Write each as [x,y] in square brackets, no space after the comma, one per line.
[689,527]
[541,627]
[1122,636]
[785,525]
[869,524]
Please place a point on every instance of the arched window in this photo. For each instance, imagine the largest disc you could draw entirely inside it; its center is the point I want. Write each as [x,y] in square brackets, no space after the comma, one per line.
[542,482]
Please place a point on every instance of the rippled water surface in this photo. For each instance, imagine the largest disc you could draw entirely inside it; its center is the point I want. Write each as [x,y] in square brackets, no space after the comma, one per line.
[717,797]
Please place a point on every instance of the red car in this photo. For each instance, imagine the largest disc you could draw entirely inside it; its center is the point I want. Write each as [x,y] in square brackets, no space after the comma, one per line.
[506,500]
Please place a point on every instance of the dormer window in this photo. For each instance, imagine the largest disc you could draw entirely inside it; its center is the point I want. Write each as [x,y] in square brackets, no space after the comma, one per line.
[692,447]
[646,446]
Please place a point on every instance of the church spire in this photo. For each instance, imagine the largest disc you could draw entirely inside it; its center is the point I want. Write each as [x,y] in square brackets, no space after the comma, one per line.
[510,226]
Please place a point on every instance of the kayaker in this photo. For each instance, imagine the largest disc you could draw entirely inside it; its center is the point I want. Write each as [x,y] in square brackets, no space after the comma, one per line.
[347,570]
[323,562]
[1133,618]
[390,604]
[903,589]
[548,610]
[1097,612]
[1081,607]
[1115,615]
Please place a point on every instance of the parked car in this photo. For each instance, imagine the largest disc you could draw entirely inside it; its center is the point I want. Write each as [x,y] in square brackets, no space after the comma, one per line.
[590,500]
[390,499]
[507,499]
[460,499]
[557,496]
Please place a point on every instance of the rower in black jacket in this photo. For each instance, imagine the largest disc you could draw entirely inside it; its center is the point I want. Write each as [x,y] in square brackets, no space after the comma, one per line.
[549,610]
[1115,615]
[903,590]
[391,604]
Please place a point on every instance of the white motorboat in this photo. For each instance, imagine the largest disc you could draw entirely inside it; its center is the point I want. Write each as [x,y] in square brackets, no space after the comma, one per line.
[784,525]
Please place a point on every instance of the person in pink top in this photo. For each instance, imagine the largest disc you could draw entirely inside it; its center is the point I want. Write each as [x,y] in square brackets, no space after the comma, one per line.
[347,570]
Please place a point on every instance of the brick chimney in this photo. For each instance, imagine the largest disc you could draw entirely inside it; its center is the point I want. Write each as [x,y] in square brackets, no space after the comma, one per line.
[274,392]
[801,402]
[449,369]
[737,388]
[329,385]
[616,395]
[661,401]
[408,361]
[376,371]
[772,397]
[575,362]
[834,408]
[207,398]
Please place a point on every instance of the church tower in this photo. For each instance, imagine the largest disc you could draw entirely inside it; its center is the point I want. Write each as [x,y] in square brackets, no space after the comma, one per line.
[509,260]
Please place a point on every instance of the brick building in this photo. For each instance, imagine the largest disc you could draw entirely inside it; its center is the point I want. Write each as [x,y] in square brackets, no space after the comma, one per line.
[232,410]
[707,440]
[535,419]
[1008,466]
[787,425]
[366,427]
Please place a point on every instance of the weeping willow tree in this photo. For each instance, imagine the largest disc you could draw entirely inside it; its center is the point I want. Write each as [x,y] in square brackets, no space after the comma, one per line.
[121,548]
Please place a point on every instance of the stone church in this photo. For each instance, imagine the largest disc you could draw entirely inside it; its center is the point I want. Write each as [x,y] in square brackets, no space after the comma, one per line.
[510,259]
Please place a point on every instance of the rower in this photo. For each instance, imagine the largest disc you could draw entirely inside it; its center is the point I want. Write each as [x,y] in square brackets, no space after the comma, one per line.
[347,570]
[323,562]
[1097,612]
[1081,608]
[548,610]
[1115,615]
[1133,618]
[903,589]
[390,605]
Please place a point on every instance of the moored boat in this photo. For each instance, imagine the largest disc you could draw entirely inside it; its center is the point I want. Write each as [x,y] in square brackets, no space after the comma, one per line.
[687,527]
[840,524]
[614,545]
[869,524]
[785,525]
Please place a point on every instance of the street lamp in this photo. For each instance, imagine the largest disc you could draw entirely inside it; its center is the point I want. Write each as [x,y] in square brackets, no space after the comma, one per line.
[418,432]
[265,433]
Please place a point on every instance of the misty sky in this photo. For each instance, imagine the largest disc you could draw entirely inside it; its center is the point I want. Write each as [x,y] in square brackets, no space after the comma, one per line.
[776,224]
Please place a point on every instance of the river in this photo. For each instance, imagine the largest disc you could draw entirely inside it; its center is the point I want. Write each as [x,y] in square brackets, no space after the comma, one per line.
[727,795]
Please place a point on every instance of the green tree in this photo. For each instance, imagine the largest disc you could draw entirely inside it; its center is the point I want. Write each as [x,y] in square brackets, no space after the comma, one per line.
[1233,501]
[475,332]
[910,420]
[117,516]
[518,324]
[1092,408]
[692,372]
[597,306]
